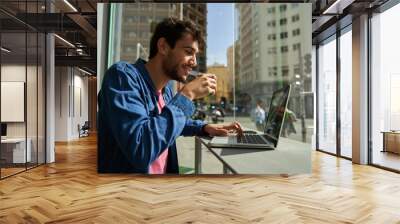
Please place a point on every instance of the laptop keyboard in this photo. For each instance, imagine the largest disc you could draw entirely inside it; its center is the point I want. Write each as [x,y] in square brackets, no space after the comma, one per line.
[251,139]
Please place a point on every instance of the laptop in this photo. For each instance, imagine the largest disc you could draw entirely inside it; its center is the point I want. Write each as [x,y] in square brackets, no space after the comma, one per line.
[272,129]
[3,131]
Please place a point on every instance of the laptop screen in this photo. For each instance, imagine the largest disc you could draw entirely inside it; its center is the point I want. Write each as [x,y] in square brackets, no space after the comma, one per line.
[3,129]
[276,114]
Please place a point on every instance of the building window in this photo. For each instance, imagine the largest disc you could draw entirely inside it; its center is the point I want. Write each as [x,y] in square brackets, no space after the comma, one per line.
[271,10]
[271,23]
[285,70]
[296,46]
[273,71]
[132,34]
[129,19]
[345,92]
[272,37]
[296,32]
[143,19]
[144,7]
[295,18]
[296,69]
[284,35]
[257,74]
[272,50]
[282,8]
[284,49]
[327,96]
[283,21]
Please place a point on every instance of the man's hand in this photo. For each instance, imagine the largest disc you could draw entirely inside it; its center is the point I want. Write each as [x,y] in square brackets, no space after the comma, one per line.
[201,86]
[223,129]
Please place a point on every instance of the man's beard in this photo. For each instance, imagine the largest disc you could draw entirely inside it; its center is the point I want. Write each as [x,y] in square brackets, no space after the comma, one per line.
[171,70]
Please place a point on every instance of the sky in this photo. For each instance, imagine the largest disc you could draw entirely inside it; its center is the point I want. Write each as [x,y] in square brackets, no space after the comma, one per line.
[220,31]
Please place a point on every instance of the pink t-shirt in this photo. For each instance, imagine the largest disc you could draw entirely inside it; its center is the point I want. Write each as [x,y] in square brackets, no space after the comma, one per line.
[159,166]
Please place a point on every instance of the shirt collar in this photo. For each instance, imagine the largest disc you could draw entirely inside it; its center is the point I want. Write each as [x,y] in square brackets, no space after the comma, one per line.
[143,71]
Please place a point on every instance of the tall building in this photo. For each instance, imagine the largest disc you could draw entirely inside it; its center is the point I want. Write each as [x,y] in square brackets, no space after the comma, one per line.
[197,13]
[274,40]
[224,82]
[138,22]
[233,61]
[231,68]
[245,49]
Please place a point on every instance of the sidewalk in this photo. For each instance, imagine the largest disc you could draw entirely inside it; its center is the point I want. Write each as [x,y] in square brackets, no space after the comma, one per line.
[210,164]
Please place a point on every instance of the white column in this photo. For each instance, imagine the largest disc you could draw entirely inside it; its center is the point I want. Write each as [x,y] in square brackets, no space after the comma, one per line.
[50,99]
[360,90]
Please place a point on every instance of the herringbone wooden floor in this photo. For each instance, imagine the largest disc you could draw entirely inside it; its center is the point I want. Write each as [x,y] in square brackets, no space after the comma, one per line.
[71,191]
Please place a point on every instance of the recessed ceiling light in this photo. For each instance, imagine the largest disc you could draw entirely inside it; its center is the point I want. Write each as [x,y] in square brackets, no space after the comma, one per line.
[5,50]
[337,6]
[84,71]
[71,6]
[64,40]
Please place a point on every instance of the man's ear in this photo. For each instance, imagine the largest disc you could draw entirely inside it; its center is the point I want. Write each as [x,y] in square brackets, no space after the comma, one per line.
[163,47]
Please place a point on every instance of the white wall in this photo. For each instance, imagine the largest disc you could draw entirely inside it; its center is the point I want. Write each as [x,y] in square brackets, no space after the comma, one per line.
[71,93]
[79,117]
[33,126]
[17,73]
[61,103]
[14,73]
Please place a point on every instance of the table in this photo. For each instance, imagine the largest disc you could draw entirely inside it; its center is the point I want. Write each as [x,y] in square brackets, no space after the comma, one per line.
[290,157]
[13,150]
[391,141]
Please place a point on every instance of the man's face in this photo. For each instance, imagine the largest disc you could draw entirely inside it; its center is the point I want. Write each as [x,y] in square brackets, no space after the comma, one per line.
[180,60]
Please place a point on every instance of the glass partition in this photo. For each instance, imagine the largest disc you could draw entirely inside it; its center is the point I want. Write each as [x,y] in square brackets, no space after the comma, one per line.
[346,93]
[31,98]
[22,89]
[327,95]
[385,89]
[13,109]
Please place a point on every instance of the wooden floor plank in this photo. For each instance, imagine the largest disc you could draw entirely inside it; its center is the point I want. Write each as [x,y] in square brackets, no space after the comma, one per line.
[71,191]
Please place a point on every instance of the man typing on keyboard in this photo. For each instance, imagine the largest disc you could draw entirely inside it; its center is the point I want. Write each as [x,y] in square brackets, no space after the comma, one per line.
[140,117]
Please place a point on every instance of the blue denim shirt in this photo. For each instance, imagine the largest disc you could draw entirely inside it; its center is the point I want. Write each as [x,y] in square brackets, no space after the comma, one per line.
[131,131]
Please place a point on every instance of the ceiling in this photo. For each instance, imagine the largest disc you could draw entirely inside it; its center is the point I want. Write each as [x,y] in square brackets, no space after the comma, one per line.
[330,15]
[76,22]
[73,20]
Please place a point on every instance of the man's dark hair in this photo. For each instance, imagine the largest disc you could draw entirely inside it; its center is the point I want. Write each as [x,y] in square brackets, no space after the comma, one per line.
[172,29]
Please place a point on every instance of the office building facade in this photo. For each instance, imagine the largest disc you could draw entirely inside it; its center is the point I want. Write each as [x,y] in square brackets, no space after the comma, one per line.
[138,21]
[274,42]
